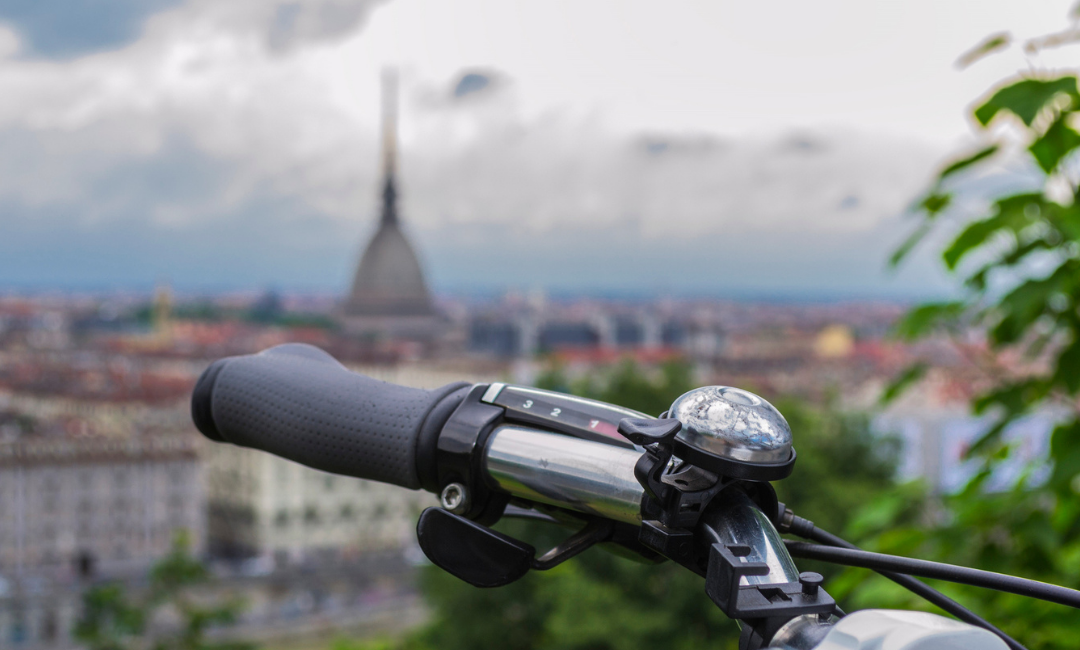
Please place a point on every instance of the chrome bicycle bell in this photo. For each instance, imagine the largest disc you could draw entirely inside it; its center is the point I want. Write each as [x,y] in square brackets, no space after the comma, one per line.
[734,433]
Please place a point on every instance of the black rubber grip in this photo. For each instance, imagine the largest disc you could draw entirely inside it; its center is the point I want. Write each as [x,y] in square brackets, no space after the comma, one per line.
[298,402]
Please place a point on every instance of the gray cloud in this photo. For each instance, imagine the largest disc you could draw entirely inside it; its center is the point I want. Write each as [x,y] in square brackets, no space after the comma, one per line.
[470,83]
[296,22]
[51,29]
[559,204]
[64,29]
[564,204]
[197,156]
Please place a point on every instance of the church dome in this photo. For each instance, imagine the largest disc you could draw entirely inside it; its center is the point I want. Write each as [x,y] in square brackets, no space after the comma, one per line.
[389,281]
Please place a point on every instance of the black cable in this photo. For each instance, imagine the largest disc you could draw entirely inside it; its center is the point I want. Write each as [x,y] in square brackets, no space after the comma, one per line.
[936,570]
[928,593]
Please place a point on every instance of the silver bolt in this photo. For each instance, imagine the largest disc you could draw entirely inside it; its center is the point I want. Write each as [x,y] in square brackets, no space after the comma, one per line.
[455,498]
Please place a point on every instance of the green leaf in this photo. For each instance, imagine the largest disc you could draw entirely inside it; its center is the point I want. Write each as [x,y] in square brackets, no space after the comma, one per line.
[1058,141]
[989,443]
[925,318]
[913,240]
[1012,214]
[1025,99]
[975,235]
[977,280]
[935,203]
[1067,371]
[1028,301]
[1015,398]
[1066,219]
[990,44]
[967,162]
[902,382]
[1065,450]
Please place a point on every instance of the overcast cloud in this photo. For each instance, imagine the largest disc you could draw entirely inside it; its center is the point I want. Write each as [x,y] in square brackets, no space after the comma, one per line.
[233,144]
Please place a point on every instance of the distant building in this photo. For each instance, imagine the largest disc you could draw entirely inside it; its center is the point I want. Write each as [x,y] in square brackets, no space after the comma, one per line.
[834,342]
[523,333]
[263,506]
[389,297]
[97,506]
[95,480]
[73,511]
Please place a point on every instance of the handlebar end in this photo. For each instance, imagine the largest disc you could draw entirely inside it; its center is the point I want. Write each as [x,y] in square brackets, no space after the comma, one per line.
[202,401]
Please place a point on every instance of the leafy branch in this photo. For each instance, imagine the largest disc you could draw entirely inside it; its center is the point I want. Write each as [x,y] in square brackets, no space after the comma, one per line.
[1019,260]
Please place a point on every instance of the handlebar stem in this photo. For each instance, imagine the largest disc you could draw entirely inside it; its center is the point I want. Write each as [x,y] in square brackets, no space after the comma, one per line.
[738,520]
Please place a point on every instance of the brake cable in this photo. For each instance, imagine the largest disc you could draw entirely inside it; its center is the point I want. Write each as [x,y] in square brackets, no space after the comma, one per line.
[791,523]
[936,570]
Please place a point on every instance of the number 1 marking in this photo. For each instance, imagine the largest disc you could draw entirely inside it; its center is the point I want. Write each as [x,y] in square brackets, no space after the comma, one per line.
[593,423]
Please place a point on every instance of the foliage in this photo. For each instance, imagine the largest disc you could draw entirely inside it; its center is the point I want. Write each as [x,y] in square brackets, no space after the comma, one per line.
[601,601]
[110,621]
[1019,262]
[114,619]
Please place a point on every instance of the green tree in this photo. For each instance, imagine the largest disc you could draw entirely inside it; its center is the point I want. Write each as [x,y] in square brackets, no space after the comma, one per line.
[115,619]
[601,601]
[1018,257]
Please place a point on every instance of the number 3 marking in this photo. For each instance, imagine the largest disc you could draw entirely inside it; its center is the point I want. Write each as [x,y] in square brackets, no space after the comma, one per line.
[528,404]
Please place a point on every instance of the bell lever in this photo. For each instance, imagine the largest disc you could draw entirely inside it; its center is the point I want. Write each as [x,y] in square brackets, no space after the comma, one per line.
[657,437]
[642,431]
[484,557]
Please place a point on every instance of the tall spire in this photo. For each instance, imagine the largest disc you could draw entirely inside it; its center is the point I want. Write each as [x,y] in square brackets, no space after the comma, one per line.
[389,145]
[389,282]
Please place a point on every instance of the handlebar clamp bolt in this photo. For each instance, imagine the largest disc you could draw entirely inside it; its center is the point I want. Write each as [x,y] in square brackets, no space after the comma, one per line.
[455,498]
[810,582]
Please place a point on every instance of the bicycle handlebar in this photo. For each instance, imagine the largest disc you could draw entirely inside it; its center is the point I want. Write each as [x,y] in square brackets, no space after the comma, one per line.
[298,402]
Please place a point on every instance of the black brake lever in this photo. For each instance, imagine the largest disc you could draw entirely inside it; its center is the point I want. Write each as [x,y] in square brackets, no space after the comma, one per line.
[484,557]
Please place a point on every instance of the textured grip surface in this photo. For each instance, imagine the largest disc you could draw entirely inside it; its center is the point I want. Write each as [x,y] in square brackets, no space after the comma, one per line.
[298,402]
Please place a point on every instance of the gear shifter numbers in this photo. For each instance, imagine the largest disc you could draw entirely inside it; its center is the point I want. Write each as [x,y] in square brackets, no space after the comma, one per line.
[574,416]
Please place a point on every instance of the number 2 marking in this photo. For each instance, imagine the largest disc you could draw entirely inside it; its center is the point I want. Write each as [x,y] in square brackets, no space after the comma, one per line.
[555,412]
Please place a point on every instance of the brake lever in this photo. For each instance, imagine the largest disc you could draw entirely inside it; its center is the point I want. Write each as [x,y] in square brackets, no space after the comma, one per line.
[484,557]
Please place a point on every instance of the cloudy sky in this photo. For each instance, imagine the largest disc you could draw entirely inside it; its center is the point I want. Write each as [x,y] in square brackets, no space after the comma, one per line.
[730,148]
